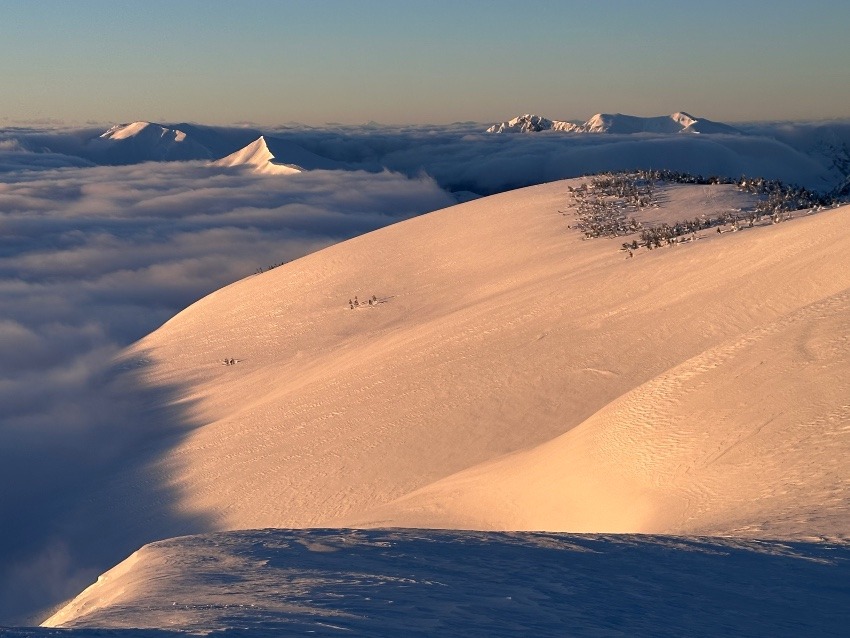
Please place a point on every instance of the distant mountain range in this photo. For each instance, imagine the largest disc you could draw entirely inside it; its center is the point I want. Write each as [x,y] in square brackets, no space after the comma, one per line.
[463,159]
[616,123]
[143,141]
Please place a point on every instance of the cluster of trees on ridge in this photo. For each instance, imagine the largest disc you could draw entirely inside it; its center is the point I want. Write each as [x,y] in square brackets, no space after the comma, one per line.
[604,203]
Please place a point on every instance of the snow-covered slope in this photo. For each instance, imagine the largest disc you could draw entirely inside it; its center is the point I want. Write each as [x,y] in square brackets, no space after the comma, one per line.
[617,123]
[498,331]
[720,444]
[675,123]
[410,583]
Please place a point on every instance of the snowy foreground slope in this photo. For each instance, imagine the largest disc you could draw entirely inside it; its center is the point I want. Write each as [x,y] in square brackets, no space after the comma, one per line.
[412,583]
[697,389]
[509,375]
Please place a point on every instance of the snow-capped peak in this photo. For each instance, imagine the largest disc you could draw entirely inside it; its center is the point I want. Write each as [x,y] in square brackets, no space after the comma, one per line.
[259,158]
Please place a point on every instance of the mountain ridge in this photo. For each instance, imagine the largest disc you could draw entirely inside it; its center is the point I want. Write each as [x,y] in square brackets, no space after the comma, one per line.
[616,123]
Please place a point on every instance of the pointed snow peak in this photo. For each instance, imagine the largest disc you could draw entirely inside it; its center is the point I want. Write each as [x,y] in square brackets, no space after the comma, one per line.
[259,149]
[259,159]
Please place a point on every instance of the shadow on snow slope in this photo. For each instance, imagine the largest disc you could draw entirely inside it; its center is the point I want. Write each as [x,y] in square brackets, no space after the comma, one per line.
[96,514]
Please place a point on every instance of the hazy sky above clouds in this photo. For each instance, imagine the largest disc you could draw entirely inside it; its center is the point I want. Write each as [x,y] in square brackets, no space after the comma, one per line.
[270,61]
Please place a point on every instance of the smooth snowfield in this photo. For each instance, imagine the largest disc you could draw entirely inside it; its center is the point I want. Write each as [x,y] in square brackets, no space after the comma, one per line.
[410,583]
[514,376]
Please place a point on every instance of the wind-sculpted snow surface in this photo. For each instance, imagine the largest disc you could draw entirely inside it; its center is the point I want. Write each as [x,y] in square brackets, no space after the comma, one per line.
[427,583]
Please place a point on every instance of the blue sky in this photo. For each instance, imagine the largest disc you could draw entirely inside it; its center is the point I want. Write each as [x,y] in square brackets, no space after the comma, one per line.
[415,62]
